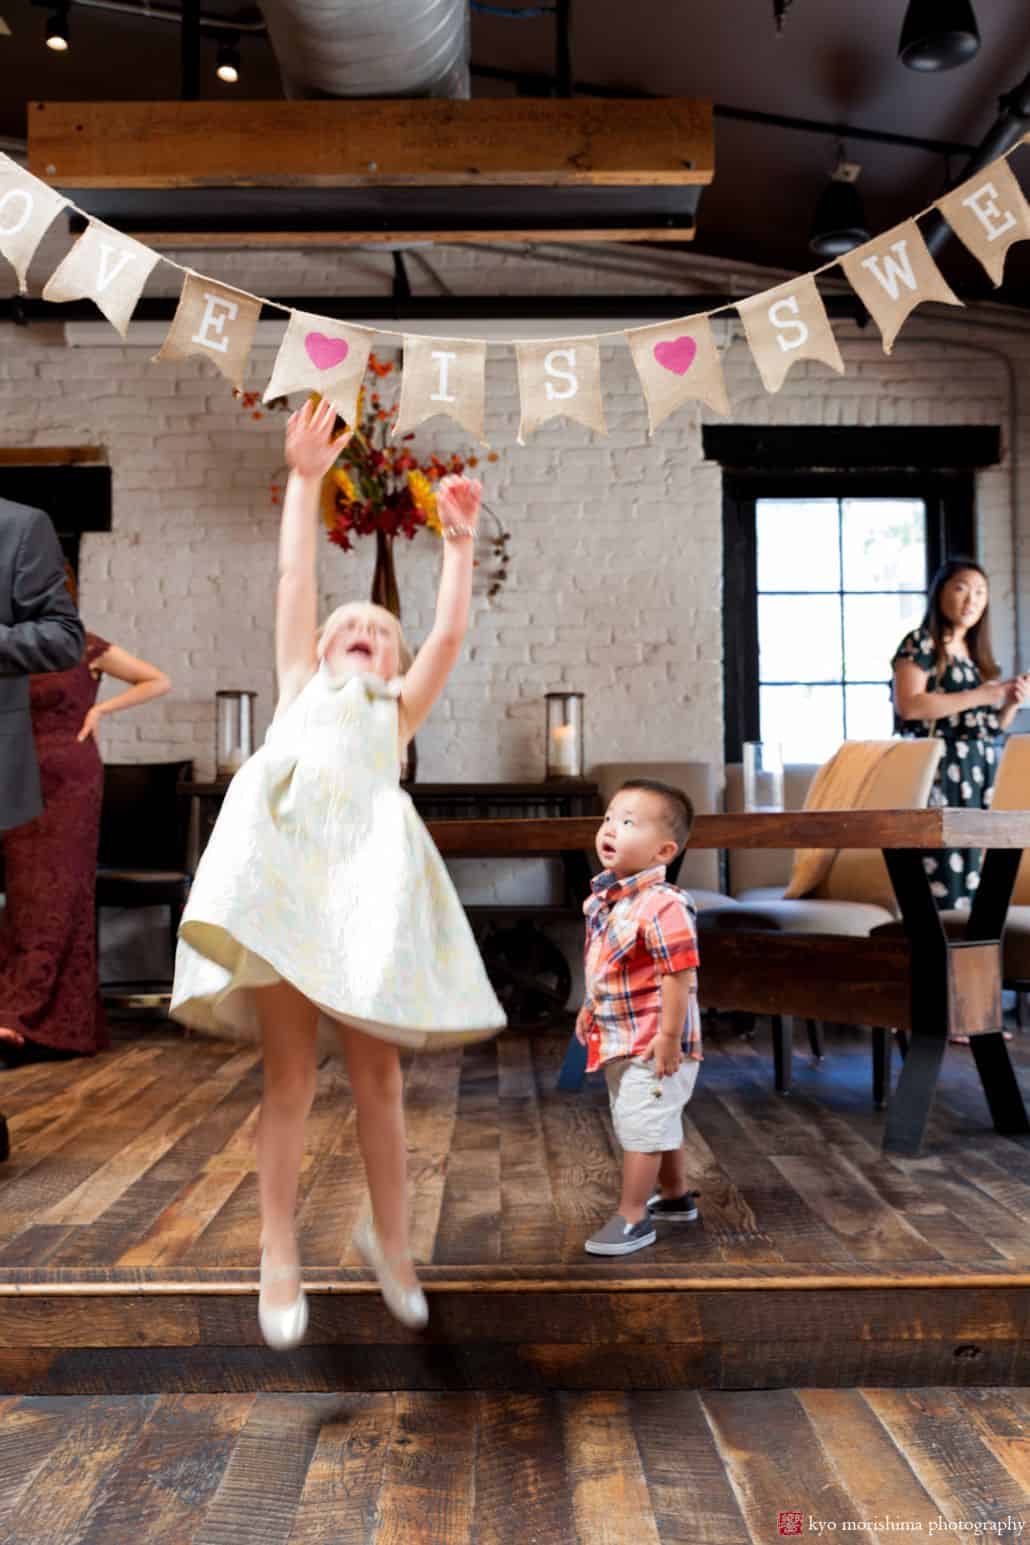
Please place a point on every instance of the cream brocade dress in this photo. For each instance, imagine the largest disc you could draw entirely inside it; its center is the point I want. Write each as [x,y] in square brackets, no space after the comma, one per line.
[319,872]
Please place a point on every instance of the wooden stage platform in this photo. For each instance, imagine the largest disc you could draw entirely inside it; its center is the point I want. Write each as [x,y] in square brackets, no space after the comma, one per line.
[128,1226]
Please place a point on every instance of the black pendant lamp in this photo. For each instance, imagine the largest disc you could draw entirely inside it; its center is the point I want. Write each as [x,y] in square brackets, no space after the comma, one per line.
[938,34]
[838,225]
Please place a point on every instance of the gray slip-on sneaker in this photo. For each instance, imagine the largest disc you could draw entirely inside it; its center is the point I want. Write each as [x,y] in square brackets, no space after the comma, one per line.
[621,1238]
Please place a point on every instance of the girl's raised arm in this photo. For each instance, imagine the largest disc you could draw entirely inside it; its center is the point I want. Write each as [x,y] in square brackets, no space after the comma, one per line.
[310,452]
[457,503]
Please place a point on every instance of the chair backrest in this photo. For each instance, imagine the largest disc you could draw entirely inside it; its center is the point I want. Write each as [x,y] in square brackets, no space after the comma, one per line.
[1012,792]
[901,780]
[753,867]
[144,818]
[699,870]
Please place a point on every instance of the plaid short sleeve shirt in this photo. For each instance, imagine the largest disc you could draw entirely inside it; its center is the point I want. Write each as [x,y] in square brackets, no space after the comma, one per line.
[638,930]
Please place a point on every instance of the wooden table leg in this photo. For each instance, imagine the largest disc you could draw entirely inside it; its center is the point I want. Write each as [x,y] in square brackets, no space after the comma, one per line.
[909,1108]
[990,1053]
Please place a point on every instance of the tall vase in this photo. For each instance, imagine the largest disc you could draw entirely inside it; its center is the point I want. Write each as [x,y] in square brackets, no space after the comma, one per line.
[385,594]
[384,579]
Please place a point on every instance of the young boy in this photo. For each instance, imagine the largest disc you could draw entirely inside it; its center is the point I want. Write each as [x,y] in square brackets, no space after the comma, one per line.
[640,1019]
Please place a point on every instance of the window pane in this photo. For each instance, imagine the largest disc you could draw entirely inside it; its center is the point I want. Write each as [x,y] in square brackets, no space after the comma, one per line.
[870,716]
[808,722]
[798,544]
[799,638]
[884,543]
[874,626]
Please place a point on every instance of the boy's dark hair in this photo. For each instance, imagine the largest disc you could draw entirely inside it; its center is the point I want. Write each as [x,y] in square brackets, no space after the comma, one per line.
[679,811]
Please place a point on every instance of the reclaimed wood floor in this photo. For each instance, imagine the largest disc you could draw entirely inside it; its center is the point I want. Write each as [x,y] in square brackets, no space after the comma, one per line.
[143,1160]
[473,1469]
[128,1229]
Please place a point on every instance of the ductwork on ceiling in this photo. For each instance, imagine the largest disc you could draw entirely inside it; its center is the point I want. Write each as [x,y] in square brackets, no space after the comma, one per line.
[370,48]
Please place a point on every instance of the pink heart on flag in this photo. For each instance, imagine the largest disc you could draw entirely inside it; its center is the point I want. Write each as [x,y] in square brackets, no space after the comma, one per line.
[325,352]
[676,354]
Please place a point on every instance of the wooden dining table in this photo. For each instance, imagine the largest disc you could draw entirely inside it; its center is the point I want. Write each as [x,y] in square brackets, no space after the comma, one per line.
[923,981]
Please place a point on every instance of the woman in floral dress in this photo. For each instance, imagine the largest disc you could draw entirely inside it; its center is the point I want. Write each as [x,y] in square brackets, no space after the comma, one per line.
[947,683]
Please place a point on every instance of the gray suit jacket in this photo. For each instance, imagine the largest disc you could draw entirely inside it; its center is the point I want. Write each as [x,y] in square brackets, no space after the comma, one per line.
[39,631]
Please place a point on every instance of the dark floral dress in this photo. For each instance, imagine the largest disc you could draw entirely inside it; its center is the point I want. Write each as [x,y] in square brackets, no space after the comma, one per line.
[965,774]
[49,990]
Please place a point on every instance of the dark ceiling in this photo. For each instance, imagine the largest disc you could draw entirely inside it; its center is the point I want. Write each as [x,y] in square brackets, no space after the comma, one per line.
[835,62]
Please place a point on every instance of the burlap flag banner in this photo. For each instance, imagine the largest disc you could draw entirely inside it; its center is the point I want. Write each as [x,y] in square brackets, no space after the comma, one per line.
[893,275]
[322,356]
[214,321]
[107,268]
[678,362]
[988,214]
[28,208]
[443,375]
[560,378]
[786,324]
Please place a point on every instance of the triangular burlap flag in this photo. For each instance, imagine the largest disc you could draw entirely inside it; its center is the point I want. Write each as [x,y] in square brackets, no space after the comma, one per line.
[442,375]
[322,356]
[215,321]
[28,208]
[107,268]
[677,362]
[560,377]
[892,275]
[786,324]
[988,213]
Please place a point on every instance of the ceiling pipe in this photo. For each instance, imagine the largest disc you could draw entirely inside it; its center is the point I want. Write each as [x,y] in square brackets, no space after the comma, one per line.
[370,48]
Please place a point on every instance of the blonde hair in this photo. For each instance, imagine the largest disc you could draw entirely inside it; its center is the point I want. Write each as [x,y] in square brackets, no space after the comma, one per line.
[331,625]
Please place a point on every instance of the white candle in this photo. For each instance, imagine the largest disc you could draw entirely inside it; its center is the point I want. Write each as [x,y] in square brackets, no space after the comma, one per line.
[563,750]
[232,764]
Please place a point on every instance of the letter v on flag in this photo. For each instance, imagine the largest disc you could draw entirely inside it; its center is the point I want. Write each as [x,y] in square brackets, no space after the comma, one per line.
[107,268]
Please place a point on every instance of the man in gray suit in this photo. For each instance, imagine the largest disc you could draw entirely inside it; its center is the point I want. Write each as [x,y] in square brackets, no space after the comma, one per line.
[39,631]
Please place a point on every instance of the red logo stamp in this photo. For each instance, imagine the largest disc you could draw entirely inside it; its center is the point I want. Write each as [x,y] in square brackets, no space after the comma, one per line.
[789,1523]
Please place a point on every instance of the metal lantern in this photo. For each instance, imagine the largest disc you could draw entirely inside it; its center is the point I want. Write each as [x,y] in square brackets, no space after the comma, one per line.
[564,734]
[234,730]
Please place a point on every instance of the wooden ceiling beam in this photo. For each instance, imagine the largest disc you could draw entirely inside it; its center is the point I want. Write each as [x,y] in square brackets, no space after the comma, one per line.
[661,143]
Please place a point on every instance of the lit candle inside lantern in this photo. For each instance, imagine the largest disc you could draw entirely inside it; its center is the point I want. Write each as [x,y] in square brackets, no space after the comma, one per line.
[563,750]
[232,763]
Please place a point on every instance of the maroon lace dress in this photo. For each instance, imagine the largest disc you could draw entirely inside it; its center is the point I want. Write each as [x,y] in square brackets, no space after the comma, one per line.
[49,989]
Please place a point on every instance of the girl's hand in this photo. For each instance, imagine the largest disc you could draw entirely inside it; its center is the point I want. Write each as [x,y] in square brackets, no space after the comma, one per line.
[90,724]
[458,500]
[310,446]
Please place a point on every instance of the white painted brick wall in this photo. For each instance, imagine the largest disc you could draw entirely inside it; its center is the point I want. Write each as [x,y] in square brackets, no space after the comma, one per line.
[614,585]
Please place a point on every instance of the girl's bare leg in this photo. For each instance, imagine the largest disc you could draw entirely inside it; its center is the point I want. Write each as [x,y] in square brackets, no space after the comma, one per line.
[377,1085]
[288,1029]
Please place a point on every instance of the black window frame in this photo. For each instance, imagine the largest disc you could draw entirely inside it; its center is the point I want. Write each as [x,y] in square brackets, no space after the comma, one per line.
[937,466]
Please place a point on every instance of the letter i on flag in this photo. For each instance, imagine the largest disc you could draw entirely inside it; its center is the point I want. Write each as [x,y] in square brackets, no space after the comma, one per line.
[28,208]
[107,268]
[442,375]
[560,377]
[215,321]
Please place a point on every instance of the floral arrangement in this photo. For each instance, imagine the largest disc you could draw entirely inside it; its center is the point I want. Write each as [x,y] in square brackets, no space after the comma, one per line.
[379,486]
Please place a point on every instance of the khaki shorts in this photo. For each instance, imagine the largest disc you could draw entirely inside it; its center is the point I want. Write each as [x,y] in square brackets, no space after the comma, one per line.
[647,1111]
